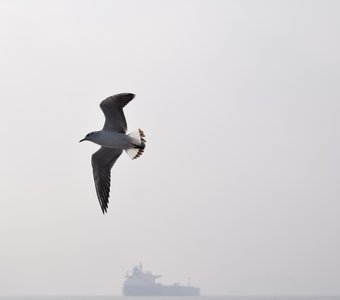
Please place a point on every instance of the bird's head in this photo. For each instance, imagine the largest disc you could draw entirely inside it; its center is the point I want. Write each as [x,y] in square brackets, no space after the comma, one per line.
[88,137]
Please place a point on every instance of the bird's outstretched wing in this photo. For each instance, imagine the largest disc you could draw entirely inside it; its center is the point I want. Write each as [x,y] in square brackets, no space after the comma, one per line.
[102,162]
[112,108]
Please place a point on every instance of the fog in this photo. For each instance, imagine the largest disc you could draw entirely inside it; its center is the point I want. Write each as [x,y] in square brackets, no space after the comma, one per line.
[238,187]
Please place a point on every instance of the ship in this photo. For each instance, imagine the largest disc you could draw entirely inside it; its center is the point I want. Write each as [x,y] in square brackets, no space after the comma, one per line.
[140,283]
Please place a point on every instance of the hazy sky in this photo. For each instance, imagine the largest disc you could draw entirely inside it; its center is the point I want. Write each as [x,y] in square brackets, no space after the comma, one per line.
[239,185]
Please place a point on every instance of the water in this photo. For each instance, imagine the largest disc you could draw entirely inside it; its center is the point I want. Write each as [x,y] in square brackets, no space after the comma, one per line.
[169,298]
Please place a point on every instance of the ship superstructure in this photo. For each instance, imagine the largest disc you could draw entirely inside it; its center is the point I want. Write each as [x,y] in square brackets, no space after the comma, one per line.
[140,283]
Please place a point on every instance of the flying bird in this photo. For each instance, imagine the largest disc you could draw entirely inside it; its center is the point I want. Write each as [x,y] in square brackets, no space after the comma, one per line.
[113,140]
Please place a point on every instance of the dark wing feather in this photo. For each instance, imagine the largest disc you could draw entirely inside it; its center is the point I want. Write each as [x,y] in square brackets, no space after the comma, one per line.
[102,162]
[112,108]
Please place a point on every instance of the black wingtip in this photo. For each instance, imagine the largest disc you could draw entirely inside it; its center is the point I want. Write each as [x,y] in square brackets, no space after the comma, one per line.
[129,95]
[104,209]
[126,95]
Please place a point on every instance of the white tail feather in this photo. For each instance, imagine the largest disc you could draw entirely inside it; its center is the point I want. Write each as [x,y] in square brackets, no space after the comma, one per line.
[137,144]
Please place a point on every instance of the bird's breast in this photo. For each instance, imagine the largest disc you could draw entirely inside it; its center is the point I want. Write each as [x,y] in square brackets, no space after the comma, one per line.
[113,140]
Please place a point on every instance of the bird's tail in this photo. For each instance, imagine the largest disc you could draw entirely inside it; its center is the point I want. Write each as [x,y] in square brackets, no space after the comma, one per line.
[137,144]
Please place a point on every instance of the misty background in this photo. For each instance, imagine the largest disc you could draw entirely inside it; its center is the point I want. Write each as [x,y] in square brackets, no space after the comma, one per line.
[239,185]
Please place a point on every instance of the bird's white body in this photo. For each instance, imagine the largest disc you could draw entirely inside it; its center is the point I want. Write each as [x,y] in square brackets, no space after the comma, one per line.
[113,140]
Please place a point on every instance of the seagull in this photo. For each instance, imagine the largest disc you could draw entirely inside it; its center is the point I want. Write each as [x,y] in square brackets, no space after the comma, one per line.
[113,140]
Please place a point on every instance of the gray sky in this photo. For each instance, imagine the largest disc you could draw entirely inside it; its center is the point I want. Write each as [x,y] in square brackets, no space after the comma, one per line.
[239,185]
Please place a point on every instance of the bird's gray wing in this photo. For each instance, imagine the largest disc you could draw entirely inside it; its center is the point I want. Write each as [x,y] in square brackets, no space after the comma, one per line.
[112,108]
[102,162]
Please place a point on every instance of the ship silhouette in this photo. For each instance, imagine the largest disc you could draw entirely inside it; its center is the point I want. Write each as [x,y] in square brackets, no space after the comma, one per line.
[140,283]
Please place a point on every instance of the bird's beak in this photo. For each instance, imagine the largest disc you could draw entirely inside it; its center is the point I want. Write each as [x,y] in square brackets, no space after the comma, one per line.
[82,140]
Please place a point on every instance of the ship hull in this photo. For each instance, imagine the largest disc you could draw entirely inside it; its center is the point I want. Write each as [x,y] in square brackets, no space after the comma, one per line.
[161,290]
